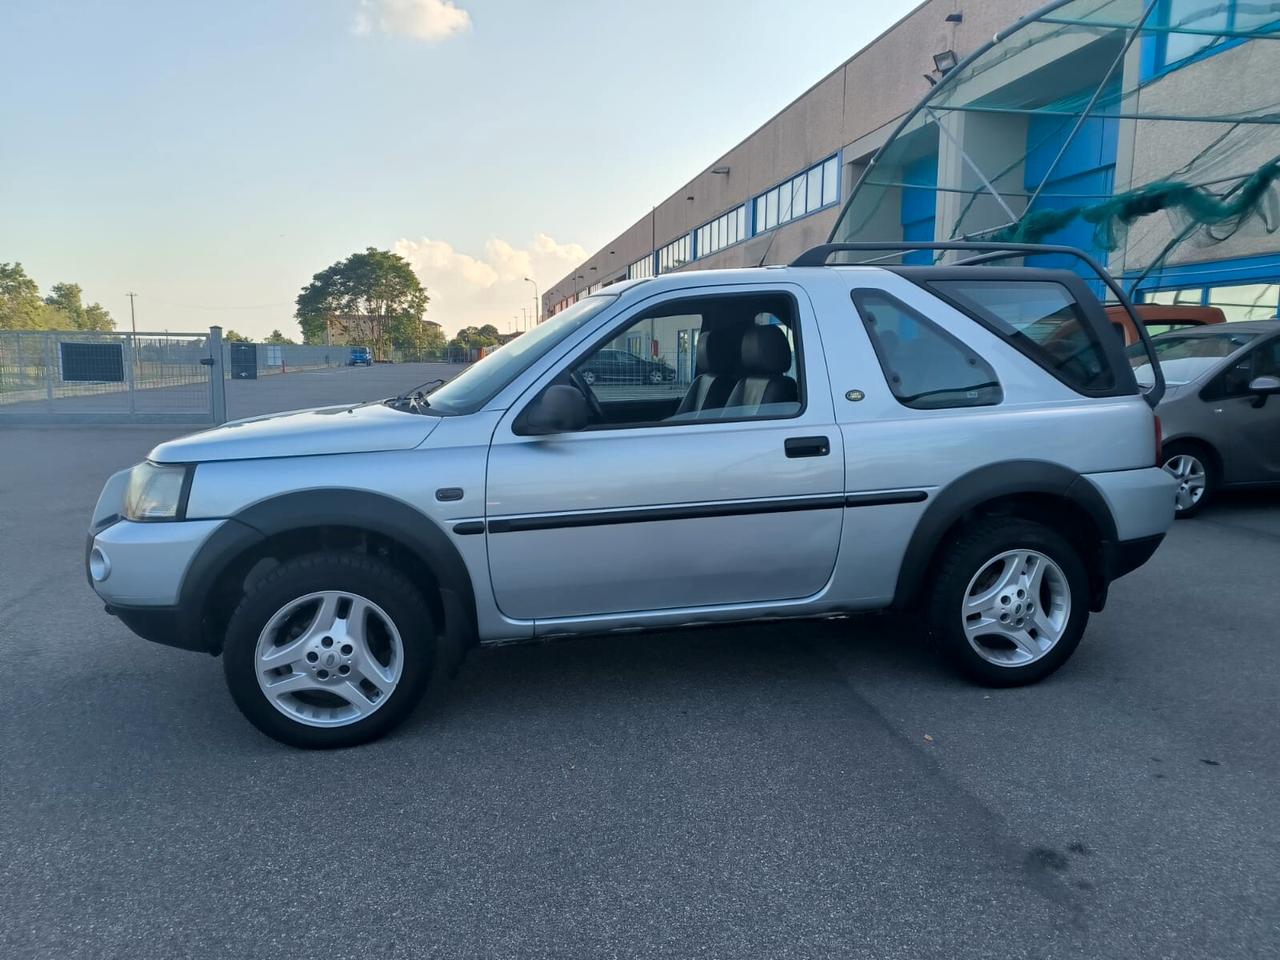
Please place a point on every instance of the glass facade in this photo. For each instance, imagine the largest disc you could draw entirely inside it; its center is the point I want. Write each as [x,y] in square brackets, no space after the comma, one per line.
[1229,17]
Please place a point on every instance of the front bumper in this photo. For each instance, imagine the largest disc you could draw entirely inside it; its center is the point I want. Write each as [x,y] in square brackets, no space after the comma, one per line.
[146,562]
[165,625]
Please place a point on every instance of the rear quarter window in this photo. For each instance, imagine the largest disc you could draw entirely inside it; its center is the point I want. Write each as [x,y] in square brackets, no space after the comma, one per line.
[1044,321]
[925,367]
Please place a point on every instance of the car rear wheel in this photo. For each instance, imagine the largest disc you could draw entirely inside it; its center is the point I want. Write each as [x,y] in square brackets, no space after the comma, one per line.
[588,377]
[329,650]
[1010,601]
[655,376]
[1194,471]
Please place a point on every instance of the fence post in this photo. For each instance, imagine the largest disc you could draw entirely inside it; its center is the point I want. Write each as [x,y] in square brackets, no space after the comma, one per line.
[131,373]
[217,377]
[48,369]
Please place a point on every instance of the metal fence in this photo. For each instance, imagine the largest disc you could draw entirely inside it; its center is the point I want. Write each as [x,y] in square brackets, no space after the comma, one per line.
[68,376]
[84,377]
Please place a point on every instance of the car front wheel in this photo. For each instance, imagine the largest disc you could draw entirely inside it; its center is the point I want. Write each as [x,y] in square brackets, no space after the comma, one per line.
[329,650]
[1009,601]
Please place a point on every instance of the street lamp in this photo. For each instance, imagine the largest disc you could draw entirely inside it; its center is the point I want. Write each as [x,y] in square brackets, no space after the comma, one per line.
[537,302]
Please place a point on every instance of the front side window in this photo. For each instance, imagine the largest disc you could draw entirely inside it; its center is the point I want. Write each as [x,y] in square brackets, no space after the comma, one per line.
[926,367]
[700,359]
[1043,320]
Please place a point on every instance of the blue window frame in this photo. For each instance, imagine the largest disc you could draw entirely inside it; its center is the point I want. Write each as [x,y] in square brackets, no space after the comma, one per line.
[808,191]
[724,231]
[1167,50]
[1244,289]
[641,268]
[675,254]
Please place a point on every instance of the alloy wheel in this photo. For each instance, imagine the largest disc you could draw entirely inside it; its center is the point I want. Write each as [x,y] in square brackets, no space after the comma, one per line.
[1016,608]
[329,658]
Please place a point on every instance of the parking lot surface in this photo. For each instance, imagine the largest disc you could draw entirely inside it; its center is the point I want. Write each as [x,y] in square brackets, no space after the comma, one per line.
[800,789]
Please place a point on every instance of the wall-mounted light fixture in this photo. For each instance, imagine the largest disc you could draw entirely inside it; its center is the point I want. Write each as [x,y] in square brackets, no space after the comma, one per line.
[723,171]
[945,61]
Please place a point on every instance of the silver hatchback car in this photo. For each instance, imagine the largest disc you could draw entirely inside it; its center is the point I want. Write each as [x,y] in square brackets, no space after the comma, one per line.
[965,442]
[1221,425]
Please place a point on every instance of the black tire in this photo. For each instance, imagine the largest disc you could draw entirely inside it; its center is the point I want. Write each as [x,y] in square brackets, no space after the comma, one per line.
[967,556]
[1207,461]
[357,573]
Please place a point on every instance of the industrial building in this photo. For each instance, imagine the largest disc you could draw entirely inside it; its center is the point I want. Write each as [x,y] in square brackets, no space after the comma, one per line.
[781,190]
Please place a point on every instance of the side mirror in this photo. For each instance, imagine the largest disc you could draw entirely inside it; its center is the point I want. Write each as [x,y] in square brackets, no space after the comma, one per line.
[1263,387]
[558,409]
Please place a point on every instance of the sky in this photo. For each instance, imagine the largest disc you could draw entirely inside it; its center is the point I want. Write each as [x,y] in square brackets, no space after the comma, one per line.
[212,157]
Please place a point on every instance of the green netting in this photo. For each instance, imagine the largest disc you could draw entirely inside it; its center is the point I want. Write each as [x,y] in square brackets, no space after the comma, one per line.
[1132,128]
[1253,198]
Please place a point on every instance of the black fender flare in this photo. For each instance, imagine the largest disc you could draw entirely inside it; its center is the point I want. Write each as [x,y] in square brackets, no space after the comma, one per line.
[333,506]
[989,483]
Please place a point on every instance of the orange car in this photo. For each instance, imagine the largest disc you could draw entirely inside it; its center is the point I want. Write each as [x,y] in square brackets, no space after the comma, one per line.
[1160,318]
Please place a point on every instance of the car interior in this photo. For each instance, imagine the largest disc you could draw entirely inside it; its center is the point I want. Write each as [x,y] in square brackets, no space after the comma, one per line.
[733,357]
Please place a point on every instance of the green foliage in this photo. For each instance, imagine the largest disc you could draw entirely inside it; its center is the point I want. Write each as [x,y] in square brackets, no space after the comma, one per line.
[468,337]
[371,297]
[278,337]
[231,336]
[63,309]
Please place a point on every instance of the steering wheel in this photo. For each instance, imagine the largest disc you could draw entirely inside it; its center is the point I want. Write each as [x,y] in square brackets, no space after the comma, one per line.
[593,405]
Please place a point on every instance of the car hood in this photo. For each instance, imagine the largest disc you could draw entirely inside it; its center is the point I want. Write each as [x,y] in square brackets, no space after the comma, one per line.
[302,433]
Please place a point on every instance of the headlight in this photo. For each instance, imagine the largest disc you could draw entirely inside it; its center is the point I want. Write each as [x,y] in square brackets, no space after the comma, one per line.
[155,492]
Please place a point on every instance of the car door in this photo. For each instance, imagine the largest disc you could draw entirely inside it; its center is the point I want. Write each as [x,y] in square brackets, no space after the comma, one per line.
[718,507]
[1252,431]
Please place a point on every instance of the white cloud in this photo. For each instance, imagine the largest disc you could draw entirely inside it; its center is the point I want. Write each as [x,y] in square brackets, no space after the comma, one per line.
[472,291]
[428,20]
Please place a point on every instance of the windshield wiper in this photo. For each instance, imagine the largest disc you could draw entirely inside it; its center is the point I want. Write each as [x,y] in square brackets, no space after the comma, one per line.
[410,398]
[415,401]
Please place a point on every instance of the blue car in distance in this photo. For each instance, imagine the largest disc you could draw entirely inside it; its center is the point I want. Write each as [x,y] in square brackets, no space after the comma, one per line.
[360,357]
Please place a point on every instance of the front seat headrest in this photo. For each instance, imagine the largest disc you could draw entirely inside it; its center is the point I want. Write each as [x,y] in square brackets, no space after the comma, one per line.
[717,353]
[765,351]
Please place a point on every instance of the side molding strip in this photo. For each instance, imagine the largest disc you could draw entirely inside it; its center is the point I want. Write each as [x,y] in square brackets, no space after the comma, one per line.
[559,521]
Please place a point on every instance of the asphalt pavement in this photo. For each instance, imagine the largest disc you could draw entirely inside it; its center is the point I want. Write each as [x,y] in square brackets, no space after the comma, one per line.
[798,790]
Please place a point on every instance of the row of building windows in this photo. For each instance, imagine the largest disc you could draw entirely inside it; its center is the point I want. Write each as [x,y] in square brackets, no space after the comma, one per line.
[1248,301]
[811,190]
[641,268]
[721,232]
[675,254]
[808,191]
[1197,15]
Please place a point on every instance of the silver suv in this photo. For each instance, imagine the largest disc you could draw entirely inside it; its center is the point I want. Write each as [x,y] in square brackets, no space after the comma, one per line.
[965,441]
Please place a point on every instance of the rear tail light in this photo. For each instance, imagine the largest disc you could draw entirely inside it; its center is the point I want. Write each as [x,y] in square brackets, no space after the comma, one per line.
[1159,442]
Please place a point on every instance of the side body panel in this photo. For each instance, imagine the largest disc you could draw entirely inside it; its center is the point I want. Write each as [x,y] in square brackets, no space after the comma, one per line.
[557,551]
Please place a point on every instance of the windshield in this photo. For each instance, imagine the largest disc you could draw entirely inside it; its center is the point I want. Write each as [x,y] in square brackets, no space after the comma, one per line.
[477,385]
[1185,356]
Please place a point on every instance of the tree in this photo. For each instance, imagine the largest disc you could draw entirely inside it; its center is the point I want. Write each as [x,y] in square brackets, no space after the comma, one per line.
[20,305]
[22,309]
[372,296]
[467,337]
[232,336]
[65,310]
[278,337]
